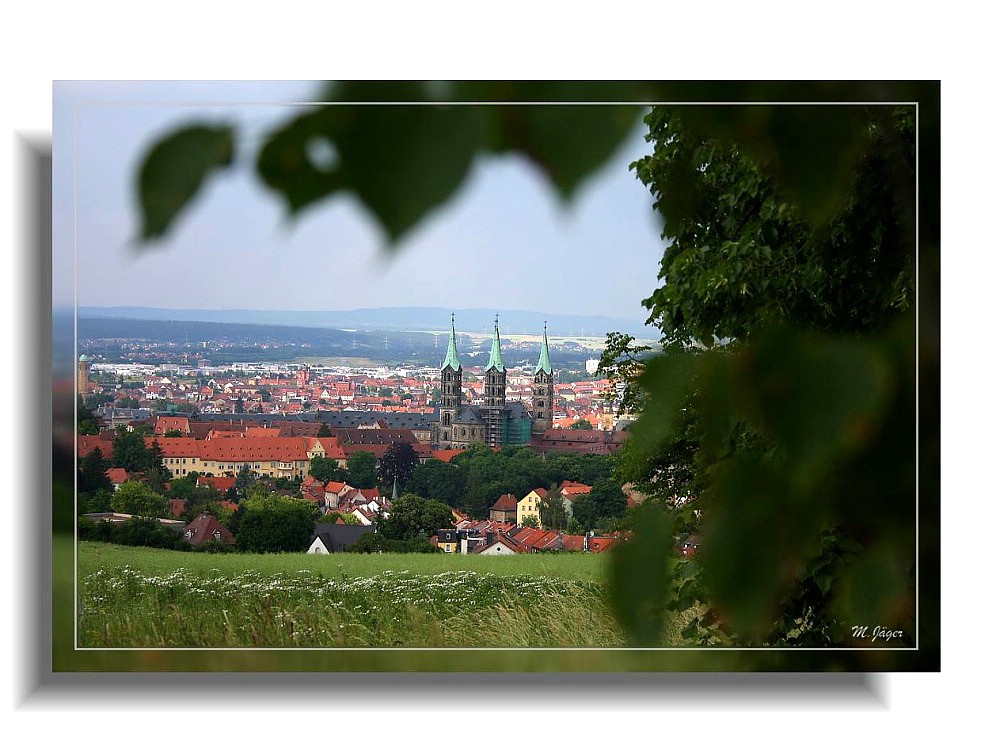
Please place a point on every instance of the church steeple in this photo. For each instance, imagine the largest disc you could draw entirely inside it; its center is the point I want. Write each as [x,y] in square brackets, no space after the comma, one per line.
[544,365]
[496,361]
[451,358]
[543,396]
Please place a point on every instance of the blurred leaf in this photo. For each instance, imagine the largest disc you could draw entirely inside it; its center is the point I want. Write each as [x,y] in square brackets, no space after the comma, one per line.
[876,590]
[174,169]
[819,398]
[667,381]
[639,577]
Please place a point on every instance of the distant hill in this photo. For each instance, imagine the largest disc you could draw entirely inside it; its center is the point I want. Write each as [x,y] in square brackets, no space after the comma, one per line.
[393,319]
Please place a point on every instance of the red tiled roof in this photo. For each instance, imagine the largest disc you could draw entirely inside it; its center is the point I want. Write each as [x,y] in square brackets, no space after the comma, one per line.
[163,424]
[446,454]
[334,486]
[174,447]
[86,443]
[117,475]
[506,502]
[204,528]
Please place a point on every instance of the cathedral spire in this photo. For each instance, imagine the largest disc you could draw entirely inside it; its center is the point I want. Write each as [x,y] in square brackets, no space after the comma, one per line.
[495,359]
[451,358]
[544,365]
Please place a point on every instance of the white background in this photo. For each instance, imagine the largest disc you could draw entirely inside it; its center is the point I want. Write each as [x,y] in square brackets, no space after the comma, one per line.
[624,40]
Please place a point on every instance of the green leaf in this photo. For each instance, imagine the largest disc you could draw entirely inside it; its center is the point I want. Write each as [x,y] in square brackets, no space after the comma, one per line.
[174,169]
[640,577]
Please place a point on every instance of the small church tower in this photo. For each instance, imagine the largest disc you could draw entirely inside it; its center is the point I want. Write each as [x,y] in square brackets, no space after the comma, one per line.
[543,389]
[83,375]
[495,396]
[451,389]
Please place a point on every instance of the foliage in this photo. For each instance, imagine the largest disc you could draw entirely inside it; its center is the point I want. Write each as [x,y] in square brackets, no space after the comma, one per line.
[130,452]
[530,522]
[173,433]
[128,403]
[380,543]
[327,470]
[349,519]
[276,524]
[86,422]
[135,532]
[581,424]
[552,510]
[361,470]
[609,500]
[585,512]
[324,431]
[397,465]
[440,481]
[92,474]
[244,480]
[136,499]
[793,426]
[415,516]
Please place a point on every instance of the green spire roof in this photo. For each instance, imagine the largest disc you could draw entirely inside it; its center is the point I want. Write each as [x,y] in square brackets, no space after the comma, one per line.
[544,365]
[451,358]
[495,358]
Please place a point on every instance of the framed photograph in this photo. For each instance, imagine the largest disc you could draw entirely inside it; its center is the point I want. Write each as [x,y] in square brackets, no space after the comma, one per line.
[496,376]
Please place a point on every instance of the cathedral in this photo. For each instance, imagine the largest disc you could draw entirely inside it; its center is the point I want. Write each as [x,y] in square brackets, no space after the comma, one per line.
[494,423]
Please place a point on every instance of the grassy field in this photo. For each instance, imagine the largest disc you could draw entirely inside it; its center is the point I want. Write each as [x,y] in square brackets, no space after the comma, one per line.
[155,598]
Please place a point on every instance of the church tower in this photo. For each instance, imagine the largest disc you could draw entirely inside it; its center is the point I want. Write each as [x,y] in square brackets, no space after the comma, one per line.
[451,390]
[495,396]
[543,390]
[83,375]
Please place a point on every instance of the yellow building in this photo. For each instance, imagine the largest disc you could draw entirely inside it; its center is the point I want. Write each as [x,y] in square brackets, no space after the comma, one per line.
[527,506]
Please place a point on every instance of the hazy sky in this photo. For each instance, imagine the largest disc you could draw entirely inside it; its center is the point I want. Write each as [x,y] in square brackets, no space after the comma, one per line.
[503,241]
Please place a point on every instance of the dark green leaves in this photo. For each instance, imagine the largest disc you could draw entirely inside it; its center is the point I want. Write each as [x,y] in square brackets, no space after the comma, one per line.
[640,577]
[174,170]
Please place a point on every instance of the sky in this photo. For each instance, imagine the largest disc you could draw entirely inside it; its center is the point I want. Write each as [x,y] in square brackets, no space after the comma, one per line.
[503,241]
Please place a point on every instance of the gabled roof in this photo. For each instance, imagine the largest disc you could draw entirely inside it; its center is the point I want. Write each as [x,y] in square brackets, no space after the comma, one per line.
[506,502]
[336,536]
[204,529]
[222,484]
[117,475]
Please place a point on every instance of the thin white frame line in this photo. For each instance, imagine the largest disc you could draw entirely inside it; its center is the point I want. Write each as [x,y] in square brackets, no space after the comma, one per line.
[98,102]
[493,648]
[237,103]
[916,368]
[73,368]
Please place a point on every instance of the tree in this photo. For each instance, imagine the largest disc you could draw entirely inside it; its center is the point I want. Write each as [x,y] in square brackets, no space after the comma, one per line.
[585,512]
[609,500]
[136,499]
[324,430]
[581,424]
[93,472]
[361,470]
[397,465]
[440,481]
[238,409]
[265,396]
[173,433]
[530,522]
[793,291]
[130,452]
[276,524]
[415,516]
[128,403]
[327,470]
[244,479]
[86,422]
[551,510]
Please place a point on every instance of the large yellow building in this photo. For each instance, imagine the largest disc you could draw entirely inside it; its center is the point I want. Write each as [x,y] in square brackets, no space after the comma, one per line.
[265,456]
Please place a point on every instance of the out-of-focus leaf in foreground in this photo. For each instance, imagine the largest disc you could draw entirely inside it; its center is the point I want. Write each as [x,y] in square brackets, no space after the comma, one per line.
[174,169]
[640,577]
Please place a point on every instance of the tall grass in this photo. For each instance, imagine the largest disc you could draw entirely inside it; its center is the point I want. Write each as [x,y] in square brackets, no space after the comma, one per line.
[135,597]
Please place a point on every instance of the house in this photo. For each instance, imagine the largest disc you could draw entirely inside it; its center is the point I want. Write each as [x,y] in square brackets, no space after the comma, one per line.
[688,546]
[527,506]
[447,540]
[222,484]
[166,424]
[504,509]
[501,545]
[117,476]
[206,528]
[332,537]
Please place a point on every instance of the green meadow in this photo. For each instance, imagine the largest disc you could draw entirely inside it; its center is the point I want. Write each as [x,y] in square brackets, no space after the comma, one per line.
[140,597]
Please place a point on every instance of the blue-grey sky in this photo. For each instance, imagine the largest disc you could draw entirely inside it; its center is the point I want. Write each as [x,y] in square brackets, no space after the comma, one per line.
[503,241]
